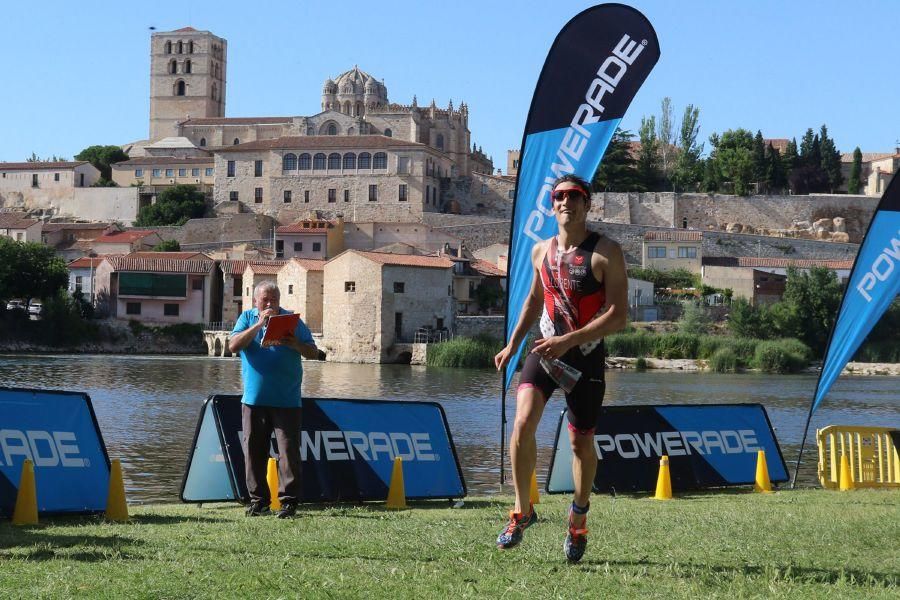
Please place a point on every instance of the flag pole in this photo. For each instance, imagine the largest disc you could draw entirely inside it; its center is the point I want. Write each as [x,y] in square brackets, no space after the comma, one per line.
[502,429]
[802,444]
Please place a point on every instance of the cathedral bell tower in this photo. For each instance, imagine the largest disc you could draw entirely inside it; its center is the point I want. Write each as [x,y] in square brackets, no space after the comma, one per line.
[187,78]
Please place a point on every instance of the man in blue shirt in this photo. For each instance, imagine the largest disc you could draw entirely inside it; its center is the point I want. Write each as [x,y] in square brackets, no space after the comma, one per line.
[271,375]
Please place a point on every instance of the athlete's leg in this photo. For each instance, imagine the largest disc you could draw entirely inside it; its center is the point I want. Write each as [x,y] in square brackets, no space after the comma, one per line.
[584,468]
[530,403]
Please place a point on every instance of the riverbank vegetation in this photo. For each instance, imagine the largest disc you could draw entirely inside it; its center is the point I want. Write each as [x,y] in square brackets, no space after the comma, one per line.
[464,352]
[729,544]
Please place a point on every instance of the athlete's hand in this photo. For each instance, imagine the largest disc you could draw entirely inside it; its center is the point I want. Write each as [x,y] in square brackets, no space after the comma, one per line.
[551,347]
[502,358]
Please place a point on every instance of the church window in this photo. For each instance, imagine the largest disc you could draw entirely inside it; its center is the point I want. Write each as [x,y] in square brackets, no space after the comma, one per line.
[168,47]
[359,109]
[202,141]
[187,66]
[230,169]
[373,193]
[388,133]
[179,48]
[173,66]
[309,131]
[257,168]
[439,142]
[351,131]
[349,161]
[332,129]
[319,161]
[346,110]
[190,47]
[379,161]
[334,161]
[304,162]
[215,92]
[236,142]
[180,88]
[365,160]
[289,163]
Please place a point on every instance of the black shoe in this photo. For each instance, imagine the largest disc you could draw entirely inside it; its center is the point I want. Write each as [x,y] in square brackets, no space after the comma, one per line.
[576,542]
[257,509]
[288,510]
[512,534]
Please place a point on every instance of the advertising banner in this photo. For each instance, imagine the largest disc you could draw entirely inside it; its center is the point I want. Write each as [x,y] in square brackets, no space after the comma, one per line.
[710,445]
[58,431]
[347,448]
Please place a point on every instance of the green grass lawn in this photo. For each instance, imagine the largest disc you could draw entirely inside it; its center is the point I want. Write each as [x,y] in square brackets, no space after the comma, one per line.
[808,543]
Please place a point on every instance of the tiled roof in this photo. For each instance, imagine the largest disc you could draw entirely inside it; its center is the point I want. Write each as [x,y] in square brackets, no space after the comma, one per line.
[847,157]
[775,263]
[162,262]
[237,267]
[310,264]
[185,30]
[123,237]
[238,121]
[48,227]
[86,262]
[15,221]
[406,260]
[40,166]
[487,269]
[308,226]
[673,235]
[323,142]
[265,269]
[164,160]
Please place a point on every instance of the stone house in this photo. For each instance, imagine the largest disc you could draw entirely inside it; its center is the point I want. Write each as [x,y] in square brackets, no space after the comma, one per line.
[673,249]
[43,185]
[158,287]
[761,280]
[125,242]
[81,276]
[18,227]
[233,297]
[374,303]
[878,169]
[301,282]
[254,273]
[372,235]
[156,173]
[310,238]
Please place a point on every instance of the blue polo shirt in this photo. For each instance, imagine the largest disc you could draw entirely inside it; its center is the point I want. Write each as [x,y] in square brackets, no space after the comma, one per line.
[271,376]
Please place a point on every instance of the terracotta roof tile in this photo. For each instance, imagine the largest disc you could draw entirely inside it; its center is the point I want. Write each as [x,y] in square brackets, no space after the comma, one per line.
[673,235]
[48,227]
[487,269]
[123,237]
[265,269]
[164,160]
[323,142]
[310,264]
[238,121]
[15,221]
[40,166]
[86,262]
[775,263]
[237,267]
[406,260]
[308,226]
[162,262]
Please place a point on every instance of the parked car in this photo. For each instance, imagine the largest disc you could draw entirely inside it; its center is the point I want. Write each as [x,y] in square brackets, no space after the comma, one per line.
[16,305]
[35,309]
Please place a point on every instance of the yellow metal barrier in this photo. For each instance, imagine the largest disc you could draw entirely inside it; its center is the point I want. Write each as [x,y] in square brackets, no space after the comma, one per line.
[874,459]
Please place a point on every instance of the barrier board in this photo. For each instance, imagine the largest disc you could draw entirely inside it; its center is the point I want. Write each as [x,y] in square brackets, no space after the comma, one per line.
[708,445]
[58,431]
[347,448]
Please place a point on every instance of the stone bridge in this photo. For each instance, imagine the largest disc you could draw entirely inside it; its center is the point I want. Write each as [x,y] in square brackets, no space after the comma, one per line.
[217,342]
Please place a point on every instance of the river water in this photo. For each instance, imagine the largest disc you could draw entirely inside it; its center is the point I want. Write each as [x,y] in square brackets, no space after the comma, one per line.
[147,407]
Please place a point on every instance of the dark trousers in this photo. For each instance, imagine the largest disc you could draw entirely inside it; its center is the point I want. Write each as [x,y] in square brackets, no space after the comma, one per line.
[258,423]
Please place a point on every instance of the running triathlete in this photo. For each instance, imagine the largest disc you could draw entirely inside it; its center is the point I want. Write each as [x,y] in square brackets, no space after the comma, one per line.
[576,274]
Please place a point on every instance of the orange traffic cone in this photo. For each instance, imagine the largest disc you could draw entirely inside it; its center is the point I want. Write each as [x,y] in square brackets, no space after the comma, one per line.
[763,484]
[26,512]
[663,481]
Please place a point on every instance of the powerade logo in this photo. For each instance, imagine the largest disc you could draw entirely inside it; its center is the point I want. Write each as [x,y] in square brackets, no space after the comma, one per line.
[44,448]
[678,443]
[347,445]
[576,137]
[880,269]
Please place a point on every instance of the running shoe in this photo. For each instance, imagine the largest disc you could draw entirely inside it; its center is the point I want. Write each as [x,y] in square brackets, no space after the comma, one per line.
[576,542]
[512,534]
[257,509]
[288,510]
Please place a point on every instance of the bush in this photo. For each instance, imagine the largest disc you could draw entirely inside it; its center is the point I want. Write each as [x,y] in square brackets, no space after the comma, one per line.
[676,345]
[640,363]
[880,351]
[633,343]
[780,356]
[695,319]
[467,353]
[724,361]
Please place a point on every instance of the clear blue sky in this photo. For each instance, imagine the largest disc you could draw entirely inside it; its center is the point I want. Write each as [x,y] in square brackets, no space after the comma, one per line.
[78,74]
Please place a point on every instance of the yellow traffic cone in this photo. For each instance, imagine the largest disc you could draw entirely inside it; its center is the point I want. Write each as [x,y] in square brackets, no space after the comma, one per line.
[663,481]
[116,504]
[272,480]
[533,493]
[846,475]
[396,497]
[26,512]
[763,484]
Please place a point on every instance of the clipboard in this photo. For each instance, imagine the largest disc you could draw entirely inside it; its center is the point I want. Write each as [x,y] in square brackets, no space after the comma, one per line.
[280,326]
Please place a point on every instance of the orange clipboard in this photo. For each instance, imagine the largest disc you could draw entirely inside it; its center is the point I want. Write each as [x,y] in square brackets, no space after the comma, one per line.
[280,326]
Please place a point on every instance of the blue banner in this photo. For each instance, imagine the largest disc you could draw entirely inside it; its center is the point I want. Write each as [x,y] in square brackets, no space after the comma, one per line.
[347,448]
[874,283]
[709,445]
[594,68]
[58,431]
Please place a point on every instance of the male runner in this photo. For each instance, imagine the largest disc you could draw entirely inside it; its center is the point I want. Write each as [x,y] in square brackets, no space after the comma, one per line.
[576,274]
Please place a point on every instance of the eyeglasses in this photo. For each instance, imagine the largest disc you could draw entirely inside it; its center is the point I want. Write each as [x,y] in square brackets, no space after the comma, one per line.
[562,194]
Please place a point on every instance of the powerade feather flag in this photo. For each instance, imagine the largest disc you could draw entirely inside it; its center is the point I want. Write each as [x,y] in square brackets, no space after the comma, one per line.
[595,66]
[874,283]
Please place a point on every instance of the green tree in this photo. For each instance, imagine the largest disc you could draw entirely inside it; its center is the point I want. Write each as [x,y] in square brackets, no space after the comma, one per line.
[688,169]
[617,170]
[811,301]
[102,157]
[174,206]
[695,319]
[665,134]
[648,165]
[760,165]
[746,320]
[775,174]
[854,184]
[831,160]
[734,157]
[790,159]
[30,270]
[167,246]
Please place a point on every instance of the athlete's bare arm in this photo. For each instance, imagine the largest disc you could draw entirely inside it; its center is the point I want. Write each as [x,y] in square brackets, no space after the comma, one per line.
[532,309]
[608,265]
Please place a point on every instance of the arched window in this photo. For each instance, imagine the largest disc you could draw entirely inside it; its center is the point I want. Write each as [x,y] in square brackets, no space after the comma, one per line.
[332,129]
[289,162]
[180,88]
[179,48]
[215,91]
[190,47]
[439,142]
[305,162]
[319,161]
[351,131]
[346,110]
[202,142]
[349,161]
[187,66]
[168,47]
[379,161]
[236,142]
[388,132]
[365,160]
[359,109]
[309,131]
[173,66]
[334,161]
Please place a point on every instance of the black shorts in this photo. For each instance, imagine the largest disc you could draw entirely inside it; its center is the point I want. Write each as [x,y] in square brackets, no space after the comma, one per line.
[586,397]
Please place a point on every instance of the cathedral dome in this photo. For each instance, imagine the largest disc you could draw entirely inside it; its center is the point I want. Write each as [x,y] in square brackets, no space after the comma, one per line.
[329,87]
